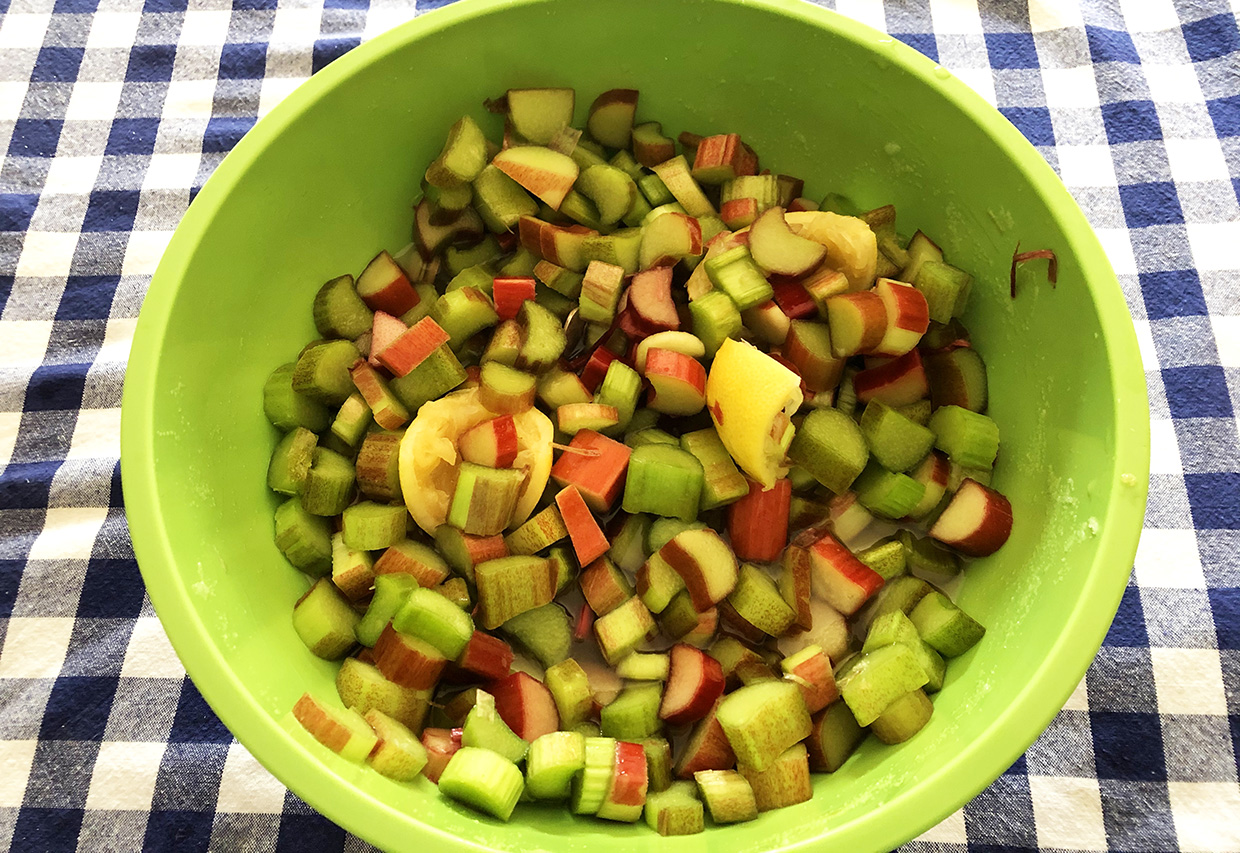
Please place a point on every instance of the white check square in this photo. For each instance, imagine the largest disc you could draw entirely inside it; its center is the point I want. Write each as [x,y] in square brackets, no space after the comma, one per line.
[1169,559]
[16,758]
[1070,87]
[113,29]
[150,654]
[1116,242]
[1149,16]
[73,175]
[207,27]
[189,99]
[1173,83]
[68,533]
[1068,812]
[9,422]
[143,251]
[955,16]
[1164,447]
[23,29]
[96,435]
[980,80]
[1188,681]
[23,342]
[1079,700]
[948,831]
[1145,344]
[1214,244]
[869,12]
[1227,339]
[1196,159]
[117,341]
[246,787]
[1086,165]
[94,100]
[171,172]
[12,96]
[296,26]
[274,90]
[35,647]
[1205,816]
[46,253]
[124,776]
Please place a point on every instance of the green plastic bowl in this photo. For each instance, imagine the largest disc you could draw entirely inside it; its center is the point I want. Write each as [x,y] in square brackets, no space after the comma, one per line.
[317,187]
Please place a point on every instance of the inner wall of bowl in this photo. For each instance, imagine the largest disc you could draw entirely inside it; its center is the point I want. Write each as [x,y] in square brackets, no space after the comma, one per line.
[336,188]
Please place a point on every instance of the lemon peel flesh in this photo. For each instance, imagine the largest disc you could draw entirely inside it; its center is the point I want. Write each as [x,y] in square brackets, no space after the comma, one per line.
[429,459]
[747,391]
[852,247]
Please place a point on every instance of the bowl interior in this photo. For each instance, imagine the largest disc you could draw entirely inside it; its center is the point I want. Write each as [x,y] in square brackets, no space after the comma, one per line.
[326,181]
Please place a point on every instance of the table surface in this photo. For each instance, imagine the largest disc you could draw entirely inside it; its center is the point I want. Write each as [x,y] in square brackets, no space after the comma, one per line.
[112,113]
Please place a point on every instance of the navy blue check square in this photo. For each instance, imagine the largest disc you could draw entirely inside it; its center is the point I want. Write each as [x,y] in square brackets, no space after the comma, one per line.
[1215,500]
[1197,391]
[1111,45]
[1211,38]
[132,136]
[1155,203]
[1175,293]
[1131,121]
[1012,50]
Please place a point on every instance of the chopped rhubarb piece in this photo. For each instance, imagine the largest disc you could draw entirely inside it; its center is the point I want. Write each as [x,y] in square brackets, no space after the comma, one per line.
[596,368]
[441,745]
[383,333]
[509,293]
[758,522]
[840,578]
[413,346]
[525,704]
[486,657]
[596,465]
[793,299]
[587,537]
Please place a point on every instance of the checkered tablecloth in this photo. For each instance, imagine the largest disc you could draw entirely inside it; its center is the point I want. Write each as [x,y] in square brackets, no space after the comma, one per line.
[113,112]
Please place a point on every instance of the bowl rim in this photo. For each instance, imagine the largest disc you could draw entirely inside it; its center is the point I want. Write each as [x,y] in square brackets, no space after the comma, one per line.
[904,816]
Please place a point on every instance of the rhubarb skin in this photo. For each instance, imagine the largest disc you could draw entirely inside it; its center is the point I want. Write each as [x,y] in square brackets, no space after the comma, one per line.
[758,522]
[587,537]
[597,470]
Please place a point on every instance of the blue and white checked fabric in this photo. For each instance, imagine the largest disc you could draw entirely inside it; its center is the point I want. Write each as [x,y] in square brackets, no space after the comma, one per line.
[113,113]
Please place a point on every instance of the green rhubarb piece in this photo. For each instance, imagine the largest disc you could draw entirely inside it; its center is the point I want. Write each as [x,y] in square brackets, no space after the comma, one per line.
[664,530]
[903,718]
[758,601]
[722,483]
[552,762]
[427,296]
[422,562]
[969,438]
[303,538]
[353,570]
[479,277]
[944,626]
[678,617]
[448,198]
[923,554]
[624,161]
[944,287]
[658,764]
[957,377]
[560,306]
[834,737]
[463,313]
[589,788]
[399,754]
[675,810]
[896,628]
[290,461]
[505,390]
[600,292]
[634,714]
[322,371]
[349,735]
[363,688]
[918,412]
[430,380]
[715,319]
[727,795]
[885,557]
[570,689]
[542,337]
[485,498]
[644,667]
[370,526]
[544,632]
[563,281]
[887,493]
[288,409]
[658,583]
[564,561]
[329,484]
[735,273]
[643,419]
[501,201]
[456,259]
[628,546]
[763,189]
[560,388]
[899,593]
[391,591]
[352,420]
[650,435]
[378,466]
[664,481]
[325,621]
[520,264]
[846,394]
[621,388]
[610,188]
[509,586]
[541,531]
[655,191]
[841,204]
[483,780]
[463,157]
[456,590]
[802,480]
[621,248]
[831,447]
[485,728]
[429,616]
[762,720]
[897,442]
[339,312]
[623,629]
[581,210]
[879,677]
